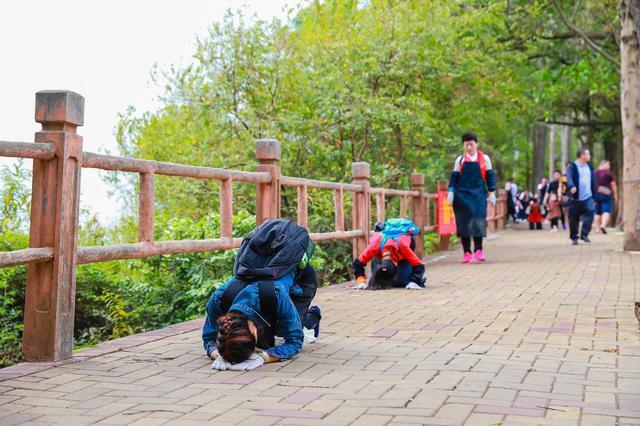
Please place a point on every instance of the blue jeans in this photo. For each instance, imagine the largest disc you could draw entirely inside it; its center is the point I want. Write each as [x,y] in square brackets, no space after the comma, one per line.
[580,211]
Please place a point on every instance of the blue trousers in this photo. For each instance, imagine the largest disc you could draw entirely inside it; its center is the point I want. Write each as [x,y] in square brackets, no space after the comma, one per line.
[580,211]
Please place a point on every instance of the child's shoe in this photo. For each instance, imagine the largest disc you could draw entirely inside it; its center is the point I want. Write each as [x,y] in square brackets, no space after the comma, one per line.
[315,309]
[467,257]
[480,256]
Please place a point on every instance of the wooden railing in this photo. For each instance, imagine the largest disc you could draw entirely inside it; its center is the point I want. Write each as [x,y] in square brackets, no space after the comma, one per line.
[53,253]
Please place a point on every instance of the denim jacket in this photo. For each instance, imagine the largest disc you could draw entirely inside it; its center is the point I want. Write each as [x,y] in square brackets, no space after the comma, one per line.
[247,302]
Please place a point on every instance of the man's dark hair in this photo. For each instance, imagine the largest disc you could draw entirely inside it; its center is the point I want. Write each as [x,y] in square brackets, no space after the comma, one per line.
[469,136]
[557,171]
[581,151]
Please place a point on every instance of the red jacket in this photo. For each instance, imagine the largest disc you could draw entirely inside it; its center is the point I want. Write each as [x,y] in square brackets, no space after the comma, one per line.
[535,216]
[400,250]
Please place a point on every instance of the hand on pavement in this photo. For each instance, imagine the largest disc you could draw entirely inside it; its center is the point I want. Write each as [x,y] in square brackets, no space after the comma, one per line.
[220,364]
[253,362]
[361,283]
[413,286]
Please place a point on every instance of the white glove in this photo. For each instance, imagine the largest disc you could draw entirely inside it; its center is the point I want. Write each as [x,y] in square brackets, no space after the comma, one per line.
[309,336]
[221,364]
[253,362]
[492,198]
[413,286]
[450,198]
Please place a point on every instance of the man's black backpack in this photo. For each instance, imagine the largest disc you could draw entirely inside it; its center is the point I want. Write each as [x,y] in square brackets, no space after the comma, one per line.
[269,253]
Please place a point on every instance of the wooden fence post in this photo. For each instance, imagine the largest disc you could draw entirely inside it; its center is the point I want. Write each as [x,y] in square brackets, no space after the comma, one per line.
[268,194]
[491,216]
[50,294]
[360,173]
[445,240]
[501,209]
[417,184]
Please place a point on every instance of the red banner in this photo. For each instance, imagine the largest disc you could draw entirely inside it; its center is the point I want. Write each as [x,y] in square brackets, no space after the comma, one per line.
[446,217]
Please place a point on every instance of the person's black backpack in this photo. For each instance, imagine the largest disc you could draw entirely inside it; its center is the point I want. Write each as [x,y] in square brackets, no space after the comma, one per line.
[269,253]
[272,250]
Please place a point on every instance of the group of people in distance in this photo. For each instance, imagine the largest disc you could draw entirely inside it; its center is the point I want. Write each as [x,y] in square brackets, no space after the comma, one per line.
[581,194]
[265,314]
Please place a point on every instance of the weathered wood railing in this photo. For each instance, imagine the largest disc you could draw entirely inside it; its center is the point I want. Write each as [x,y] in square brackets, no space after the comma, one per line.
[53,253]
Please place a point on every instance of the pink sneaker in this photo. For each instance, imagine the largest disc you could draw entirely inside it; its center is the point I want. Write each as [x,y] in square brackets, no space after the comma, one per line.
[480,256]
[467,258]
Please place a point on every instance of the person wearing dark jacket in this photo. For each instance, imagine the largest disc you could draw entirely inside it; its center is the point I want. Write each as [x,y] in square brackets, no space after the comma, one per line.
[472,177]
[581,184]
[270,295]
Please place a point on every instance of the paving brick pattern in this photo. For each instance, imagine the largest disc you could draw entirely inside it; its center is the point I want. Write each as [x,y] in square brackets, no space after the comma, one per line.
[542,333]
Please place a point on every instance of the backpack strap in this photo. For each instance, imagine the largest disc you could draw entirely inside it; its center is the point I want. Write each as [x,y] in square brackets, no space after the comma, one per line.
[483,165]
[268,301]
[268,308]
[481,162]
[230,293]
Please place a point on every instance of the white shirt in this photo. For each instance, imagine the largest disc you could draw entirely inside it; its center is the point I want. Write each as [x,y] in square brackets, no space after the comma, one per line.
[487,161]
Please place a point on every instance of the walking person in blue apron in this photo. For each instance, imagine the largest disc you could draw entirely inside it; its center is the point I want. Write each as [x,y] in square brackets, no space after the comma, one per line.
[472,177]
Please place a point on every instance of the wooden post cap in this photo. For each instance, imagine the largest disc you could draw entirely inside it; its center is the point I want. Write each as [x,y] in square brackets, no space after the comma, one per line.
[417,179]
[268,149]
[361,170]
[59,106]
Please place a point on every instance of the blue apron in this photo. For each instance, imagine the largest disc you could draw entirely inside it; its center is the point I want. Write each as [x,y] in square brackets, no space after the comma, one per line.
[470,202]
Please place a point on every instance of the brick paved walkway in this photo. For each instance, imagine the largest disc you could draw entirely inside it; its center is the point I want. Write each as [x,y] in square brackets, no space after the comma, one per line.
[543,333]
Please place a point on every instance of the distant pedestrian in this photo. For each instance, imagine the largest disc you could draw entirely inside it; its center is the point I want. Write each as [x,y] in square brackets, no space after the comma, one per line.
[511,188]
[606,192]
[554,212]
[581,183]
[555,188]
[564,199]
[522,203]
[472,177]
[542,188]
[534,212]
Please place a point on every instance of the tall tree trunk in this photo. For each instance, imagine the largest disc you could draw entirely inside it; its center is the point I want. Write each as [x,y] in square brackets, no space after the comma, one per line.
[539,152]
[612,146]
[566,145]
[552,151]
[630,108]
